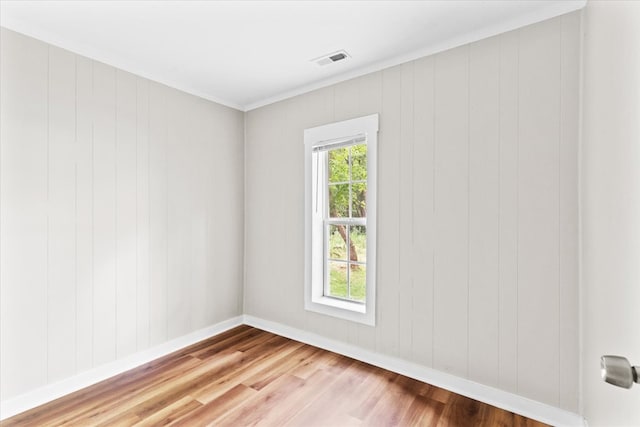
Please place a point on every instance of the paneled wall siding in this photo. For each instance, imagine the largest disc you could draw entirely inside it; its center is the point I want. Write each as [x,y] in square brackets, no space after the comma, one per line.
[121,214]
[477,215]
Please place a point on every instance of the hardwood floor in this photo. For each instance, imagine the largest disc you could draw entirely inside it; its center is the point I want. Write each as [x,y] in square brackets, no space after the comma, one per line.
[246,376]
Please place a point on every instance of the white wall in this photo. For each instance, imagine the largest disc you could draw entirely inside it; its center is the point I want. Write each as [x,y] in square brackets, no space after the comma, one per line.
[121,214]
[610,206]
[477,215]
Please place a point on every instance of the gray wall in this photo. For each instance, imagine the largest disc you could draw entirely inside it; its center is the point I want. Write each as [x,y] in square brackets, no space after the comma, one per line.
[477,214]
[610,209]
[121,214]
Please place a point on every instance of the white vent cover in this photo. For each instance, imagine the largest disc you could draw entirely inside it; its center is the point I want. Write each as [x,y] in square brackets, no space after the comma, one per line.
[330,58]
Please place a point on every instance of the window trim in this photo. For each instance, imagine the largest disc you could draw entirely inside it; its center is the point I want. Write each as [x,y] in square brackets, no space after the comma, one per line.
[334,135]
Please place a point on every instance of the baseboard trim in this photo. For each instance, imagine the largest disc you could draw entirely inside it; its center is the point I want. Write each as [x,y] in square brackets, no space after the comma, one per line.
[490,395]
[56,390]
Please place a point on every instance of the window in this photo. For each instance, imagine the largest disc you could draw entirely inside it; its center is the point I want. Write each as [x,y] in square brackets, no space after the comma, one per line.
[340,219]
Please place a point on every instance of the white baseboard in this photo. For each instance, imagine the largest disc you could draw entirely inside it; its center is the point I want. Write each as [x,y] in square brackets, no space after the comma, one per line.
[490,395]
[53,391]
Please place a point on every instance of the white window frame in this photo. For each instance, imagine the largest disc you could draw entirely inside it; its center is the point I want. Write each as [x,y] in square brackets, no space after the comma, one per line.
[339,133]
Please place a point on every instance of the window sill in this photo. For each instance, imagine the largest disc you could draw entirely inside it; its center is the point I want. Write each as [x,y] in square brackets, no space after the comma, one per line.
[341,304]
[353,311]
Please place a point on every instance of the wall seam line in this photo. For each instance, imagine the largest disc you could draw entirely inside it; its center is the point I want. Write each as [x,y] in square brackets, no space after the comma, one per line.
[433,212]
[75,270]
[136,217]
[48,237]
[560,116]
[517,284]
[469,199]
[93,339]
[115,218]
[500,281]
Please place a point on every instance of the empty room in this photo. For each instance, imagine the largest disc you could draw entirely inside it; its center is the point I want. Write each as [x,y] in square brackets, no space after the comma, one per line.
[320,213]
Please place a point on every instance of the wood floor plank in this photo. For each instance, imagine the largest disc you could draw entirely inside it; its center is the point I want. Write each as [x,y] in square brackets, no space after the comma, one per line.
[213,340]
[332,362]
[439,394]
[392,405]
[520,421]
[318,360]
[374,392]
[313,386]
[246,376]
[286,364]
[339,396]
[246,337]
[248,344]
[251,411]
[343,420]
[216,408]
[181,386]
[152,398]
[229,380]
[166,416]
[422,412]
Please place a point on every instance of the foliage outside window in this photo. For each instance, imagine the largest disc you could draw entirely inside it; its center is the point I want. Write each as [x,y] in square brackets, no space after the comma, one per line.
[346,223]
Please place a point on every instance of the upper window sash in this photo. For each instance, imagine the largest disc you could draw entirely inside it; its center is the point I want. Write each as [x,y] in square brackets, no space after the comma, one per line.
[336,143]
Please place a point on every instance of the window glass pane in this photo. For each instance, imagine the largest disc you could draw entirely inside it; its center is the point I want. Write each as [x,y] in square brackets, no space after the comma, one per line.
[338,279]
[359,162]
[358,277]
[337,242]
[359,200]
[358,243]
[338,200]
[339,165]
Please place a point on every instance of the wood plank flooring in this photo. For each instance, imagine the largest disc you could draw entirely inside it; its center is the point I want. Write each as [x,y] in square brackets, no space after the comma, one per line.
[246,376]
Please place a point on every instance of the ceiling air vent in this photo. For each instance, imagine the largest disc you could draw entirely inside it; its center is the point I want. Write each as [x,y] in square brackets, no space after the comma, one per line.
[331,58]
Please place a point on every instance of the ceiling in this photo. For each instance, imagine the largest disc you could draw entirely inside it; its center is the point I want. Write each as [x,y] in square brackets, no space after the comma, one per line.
[246,54]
